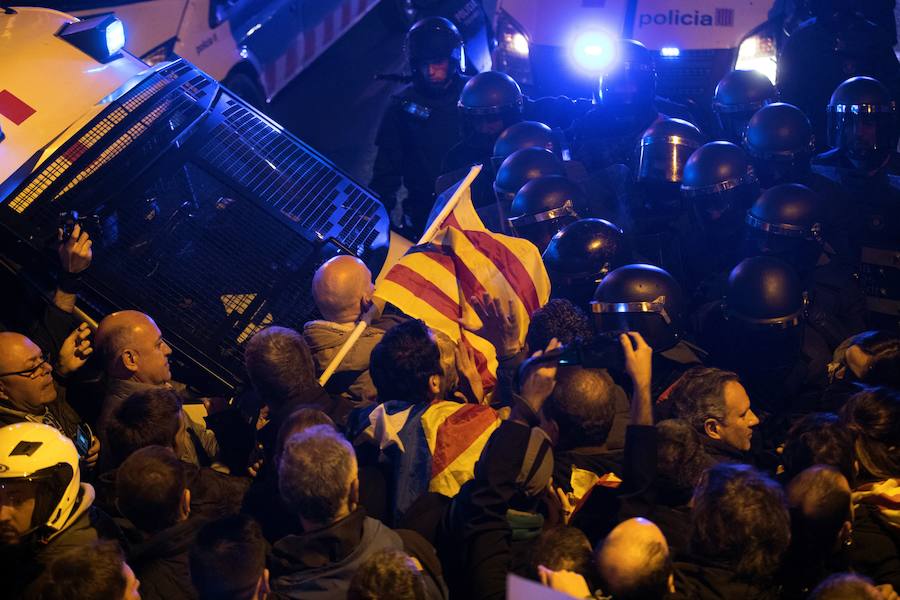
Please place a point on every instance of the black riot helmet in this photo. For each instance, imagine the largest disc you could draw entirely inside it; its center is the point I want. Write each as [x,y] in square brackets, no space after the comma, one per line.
[629,85]
[720,185]
[489,103]
[641,298]
[738,95]
[664,149]
[786,222]
[764,293]
[525,134]
[543,206]
[780,142]
[862,122]
[580,255]
[433,40]
[522,166]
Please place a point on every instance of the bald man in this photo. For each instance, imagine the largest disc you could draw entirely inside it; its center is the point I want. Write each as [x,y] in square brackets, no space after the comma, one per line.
[28,391]
[633,561]
[342,290]
[137,358]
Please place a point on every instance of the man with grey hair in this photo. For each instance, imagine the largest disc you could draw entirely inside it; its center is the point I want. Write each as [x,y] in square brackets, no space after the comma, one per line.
[715,403]
[342,289]
[318,481]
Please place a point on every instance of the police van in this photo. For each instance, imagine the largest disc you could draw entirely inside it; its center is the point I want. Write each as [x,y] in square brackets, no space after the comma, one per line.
[255,47]
[562,46]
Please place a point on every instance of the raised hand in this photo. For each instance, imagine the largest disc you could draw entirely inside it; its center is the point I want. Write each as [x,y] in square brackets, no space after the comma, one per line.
[499,325]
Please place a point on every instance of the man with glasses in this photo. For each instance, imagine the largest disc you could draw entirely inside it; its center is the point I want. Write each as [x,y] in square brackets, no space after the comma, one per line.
[29,392]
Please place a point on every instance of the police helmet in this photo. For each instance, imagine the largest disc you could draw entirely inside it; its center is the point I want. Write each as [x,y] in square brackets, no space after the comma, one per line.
[664,149]
[780,142]
[764,293]
[584,252]
[491,93]
[525,134]
[431,40]
[543,206]
[738,95]
[862,121]
[786,222]
[720,184]
[641,298]
[631,78]
[522,166]
[34,454]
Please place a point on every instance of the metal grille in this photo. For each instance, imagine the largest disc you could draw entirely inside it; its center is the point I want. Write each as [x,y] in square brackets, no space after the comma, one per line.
[692,75]
[292,179]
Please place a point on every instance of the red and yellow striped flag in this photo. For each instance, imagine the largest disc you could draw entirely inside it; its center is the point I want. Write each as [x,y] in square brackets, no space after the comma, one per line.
[457,258]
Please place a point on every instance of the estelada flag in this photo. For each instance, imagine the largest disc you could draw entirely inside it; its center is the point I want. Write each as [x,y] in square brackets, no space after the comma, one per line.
[457,258]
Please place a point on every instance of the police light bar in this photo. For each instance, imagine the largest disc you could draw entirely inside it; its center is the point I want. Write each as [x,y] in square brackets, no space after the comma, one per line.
[669,52]
[100,37]
[593,51]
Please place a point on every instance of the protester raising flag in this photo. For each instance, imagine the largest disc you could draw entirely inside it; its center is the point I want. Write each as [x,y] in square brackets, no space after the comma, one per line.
[458,258]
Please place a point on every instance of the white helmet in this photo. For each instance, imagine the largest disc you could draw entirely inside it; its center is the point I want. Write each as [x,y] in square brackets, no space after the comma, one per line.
[41,454]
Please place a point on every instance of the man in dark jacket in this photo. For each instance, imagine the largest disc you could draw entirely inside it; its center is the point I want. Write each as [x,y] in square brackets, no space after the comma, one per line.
[318,479]
[152,494]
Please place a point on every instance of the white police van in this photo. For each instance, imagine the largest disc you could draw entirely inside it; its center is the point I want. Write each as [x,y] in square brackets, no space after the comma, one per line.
[255,47]
[561,46]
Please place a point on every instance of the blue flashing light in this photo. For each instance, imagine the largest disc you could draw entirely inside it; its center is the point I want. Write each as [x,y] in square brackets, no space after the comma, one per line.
[593,51]
[115,37]
[669,52]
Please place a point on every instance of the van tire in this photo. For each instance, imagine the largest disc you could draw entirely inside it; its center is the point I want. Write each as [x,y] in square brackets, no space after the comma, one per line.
[248,88]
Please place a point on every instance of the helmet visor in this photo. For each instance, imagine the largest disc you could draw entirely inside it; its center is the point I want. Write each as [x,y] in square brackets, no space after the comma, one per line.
[866,136]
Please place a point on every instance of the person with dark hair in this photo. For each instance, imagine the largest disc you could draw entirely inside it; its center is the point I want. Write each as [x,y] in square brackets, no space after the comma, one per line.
[281,369]
[387,575]
[563,548]
[342,290]
[819,439]
[873,417]
[559,319]
[634,563]
[136,359]
[318,480]
[406,369]
[740,531]
[228,560]
[155,417]
[821,529]
[680,462]
[263,501]
[97,571]
[717,406]
[152,494]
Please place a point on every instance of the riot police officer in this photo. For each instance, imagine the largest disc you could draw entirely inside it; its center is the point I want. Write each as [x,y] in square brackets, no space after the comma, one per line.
[543,206]
[422,121]
[526,134]
[580,255]
[759,329]
[837,43]
[780,143]
[522,166]
[645,298]
[653,216]
[719,186]
[863,131]
[627,105]
[739,94]
[785,222]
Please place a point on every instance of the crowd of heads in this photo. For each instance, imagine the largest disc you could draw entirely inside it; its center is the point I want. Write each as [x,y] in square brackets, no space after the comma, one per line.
[685,418]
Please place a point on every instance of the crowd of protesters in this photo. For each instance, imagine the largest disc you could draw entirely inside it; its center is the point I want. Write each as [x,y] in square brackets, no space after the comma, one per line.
[736,438]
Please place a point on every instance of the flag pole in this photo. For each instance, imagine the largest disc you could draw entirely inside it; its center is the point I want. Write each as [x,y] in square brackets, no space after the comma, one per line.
[365,319]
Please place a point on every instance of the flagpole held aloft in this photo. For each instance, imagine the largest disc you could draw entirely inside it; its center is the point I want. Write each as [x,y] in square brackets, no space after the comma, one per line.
[365,319]
[436,223]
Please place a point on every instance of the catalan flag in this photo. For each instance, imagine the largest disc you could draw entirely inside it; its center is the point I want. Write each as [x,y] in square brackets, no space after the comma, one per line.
[457,258]
[433,447]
